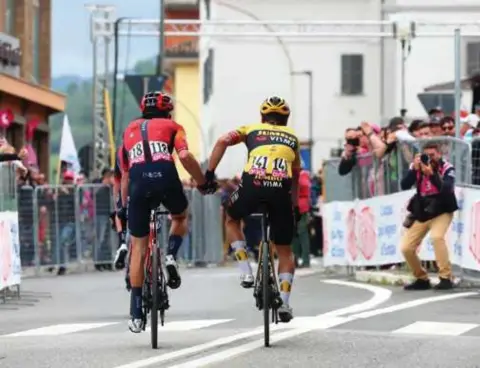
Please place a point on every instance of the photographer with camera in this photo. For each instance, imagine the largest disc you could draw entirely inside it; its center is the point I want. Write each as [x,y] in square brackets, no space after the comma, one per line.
[431,210]
[349,155]
[359,141]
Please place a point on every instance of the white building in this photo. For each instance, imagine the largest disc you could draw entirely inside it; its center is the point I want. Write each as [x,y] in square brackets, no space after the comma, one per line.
[354,79]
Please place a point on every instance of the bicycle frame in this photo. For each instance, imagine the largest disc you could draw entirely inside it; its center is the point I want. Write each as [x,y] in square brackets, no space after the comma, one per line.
[155,287]
[266,281]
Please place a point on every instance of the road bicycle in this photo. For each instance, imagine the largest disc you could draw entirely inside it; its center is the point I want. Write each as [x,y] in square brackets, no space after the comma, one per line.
[265,290]
[155,295]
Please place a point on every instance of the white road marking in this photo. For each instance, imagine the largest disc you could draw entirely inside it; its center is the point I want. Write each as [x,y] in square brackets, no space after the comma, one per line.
[192,350]
[190,325]
[233,352]
[436,328]
[230,353]
[329,320]
[380,296]
[413,304]
[61,329]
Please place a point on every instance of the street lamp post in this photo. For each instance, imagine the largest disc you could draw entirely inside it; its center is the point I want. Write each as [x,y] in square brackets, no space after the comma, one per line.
[309,74]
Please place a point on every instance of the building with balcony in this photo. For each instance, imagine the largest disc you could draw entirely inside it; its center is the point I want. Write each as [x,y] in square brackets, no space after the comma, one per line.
[25,75]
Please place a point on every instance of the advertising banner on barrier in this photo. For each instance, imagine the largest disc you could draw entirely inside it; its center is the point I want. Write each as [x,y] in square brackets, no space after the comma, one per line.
[369,232]
[10,265]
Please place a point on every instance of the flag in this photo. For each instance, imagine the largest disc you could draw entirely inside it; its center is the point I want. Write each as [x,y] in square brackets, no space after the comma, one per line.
[68,152]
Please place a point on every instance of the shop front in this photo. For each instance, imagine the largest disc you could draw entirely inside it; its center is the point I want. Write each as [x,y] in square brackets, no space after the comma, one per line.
[25,107]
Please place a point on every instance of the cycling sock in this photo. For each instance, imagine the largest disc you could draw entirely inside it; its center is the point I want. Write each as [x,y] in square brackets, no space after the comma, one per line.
[242,257]
[121,238]
[286,280]
[174,244]
[136,303]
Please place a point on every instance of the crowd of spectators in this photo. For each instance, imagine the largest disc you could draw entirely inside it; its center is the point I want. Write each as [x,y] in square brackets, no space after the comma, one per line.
[379,155]
[50,216]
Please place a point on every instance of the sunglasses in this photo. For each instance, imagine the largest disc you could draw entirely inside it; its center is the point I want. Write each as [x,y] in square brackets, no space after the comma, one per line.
[448,127]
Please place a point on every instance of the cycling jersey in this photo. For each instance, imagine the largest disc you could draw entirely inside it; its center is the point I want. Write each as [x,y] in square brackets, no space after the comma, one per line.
[151,141]
[272,151]
[147,156]
[267,177]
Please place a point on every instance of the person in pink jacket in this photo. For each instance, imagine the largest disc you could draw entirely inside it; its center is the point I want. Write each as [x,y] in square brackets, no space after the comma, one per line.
[301,241]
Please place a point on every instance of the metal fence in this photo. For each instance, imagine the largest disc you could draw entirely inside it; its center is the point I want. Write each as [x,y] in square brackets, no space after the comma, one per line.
[70,226]
[372,176]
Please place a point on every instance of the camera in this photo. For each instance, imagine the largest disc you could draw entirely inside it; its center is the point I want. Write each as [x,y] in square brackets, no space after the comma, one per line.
[425,159]
[353,142]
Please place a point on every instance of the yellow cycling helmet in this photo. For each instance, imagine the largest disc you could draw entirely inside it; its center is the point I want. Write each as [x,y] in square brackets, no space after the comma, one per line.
[276,105]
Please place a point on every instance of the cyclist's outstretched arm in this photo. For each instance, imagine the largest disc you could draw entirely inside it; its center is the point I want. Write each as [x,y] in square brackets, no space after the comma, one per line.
[123,158]
[230,139]
[186,158]
[296,168]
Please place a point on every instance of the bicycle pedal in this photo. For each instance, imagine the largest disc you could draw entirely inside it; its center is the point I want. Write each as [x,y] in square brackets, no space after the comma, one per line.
[277,302]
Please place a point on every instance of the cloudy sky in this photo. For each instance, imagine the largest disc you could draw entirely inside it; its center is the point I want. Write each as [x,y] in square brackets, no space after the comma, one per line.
[72,49]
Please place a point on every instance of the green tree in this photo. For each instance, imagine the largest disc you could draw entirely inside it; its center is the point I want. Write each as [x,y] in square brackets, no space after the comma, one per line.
[80,112]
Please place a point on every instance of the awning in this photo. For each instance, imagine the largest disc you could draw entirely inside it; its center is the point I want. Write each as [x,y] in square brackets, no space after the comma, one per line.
[466,84]
[39,95]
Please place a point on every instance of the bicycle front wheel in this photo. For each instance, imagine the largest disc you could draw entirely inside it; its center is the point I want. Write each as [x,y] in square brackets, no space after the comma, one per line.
[266,292]
[155,297]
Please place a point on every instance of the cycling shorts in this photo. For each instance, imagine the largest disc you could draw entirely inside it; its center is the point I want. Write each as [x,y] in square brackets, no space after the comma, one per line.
[151,185]
[251,194]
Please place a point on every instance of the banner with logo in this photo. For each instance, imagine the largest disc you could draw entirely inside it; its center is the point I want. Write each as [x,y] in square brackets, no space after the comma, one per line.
[10,266]
[369,232]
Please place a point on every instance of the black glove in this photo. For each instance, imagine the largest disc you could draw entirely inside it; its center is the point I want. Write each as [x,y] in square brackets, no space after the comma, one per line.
[208,187]
[210,176]
[296,214]
[122,214]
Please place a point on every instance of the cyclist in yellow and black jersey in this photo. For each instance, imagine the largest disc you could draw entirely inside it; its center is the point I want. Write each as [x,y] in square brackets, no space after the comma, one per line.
[270,177]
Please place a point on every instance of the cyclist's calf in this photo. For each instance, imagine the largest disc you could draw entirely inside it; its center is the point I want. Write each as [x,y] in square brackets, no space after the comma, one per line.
[179,224]
[137,257]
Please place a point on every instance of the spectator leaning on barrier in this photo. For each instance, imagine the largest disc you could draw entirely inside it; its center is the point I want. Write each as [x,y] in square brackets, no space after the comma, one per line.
[349,155]
[386,150]
[301,240]
[431,210]
[358,141]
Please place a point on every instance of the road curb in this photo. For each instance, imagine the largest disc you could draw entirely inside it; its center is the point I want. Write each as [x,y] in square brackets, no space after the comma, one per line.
[400,279]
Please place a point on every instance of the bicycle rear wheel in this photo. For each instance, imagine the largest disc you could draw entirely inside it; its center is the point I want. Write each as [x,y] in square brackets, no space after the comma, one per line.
[154,291]
[266,291]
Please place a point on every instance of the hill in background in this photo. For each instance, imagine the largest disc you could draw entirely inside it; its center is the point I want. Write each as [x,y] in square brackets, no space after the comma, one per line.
[79,106]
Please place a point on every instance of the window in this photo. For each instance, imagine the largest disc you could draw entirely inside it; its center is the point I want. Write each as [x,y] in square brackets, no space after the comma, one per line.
[10,17]
[473,58]
[352,74]
[36,43]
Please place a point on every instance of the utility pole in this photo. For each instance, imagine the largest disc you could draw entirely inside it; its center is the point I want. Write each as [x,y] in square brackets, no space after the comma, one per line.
[161,39]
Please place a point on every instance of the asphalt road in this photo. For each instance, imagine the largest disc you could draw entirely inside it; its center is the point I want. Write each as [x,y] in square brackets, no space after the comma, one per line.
[80,321]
